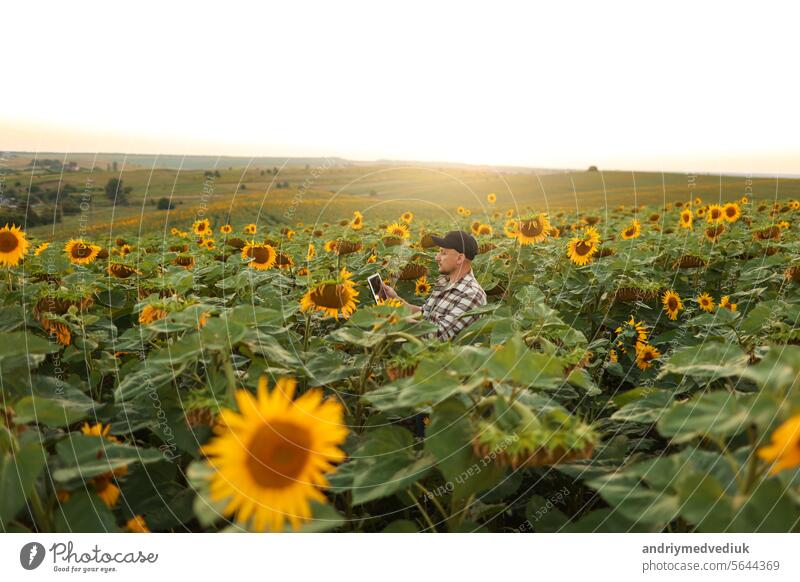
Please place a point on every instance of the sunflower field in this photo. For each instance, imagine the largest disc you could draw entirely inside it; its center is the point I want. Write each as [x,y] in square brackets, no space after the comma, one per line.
[634,369]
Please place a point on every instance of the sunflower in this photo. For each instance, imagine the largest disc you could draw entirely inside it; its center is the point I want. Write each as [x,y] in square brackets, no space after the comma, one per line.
[645,354]
[250,229]
[271,458]
[136,524]
[80,252]
[701,212]
[633,231]
[783,225]
[510,213]
[332,298]
[40,249]
[358,221]
[580,251]
[311,252]
[794,204]
[226,229]
[175,231]
[150,314]
[284,261]
[372,258]
[397,230]
[784,450]
[686,219]
[57,329]
[330,246]
[744,200]
[124,249]
[698,201]
[510,228]
[533,230]
[476,224]
[706,302]
[105,489]
[591,236]
[731,212]
[715,214]
[260,256]
[672,304]
[407,217]
[485,230]
[422,287]
[467,212]
[13,245]
[713,233]
[491,197]
[462,211]
[725,302]
[201,227]
[121,271]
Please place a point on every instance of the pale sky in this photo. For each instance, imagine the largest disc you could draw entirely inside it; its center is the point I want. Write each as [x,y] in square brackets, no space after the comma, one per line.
[701,87]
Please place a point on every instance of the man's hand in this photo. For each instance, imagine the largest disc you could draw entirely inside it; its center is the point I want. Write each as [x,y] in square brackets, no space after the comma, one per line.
[388,292]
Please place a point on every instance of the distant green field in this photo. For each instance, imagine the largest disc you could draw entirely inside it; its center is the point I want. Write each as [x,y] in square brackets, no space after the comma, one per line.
[328,192]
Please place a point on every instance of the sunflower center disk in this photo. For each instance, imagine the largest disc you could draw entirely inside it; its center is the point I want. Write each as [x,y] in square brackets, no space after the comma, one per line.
[331,296]
[582,248]
[260,255]
[278,454]
[531,228]
[81,251]
[8,242]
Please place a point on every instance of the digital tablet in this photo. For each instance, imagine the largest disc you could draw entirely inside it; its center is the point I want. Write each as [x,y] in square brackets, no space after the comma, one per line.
[375,285]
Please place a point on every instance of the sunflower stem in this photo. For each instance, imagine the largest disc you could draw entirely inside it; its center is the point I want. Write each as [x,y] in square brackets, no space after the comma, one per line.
[425,515]
[230,376]
[42,519]
[305,333]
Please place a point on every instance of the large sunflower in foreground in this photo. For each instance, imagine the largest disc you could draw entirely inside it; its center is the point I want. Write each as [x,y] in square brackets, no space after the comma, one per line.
[271,458]
[260,256]
[13,245]
[632,231]
[80,252]
[332,297]
[533,230]
[672,304]
[784,450]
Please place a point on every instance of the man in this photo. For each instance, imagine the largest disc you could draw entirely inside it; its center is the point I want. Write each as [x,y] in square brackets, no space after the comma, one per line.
[456,291]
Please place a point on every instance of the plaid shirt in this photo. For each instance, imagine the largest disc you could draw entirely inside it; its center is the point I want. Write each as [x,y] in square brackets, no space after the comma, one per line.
[447,303]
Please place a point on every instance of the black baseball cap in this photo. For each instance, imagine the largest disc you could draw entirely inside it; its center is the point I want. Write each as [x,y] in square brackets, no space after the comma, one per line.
[460,241]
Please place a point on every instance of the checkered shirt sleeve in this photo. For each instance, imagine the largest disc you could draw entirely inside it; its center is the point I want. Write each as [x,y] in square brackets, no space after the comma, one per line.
[445,307]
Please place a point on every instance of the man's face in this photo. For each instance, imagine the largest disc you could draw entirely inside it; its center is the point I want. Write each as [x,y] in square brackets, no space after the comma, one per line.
[448,260]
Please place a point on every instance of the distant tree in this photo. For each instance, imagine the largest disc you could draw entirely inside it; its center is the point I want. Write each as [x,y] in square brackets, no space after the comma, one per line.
[244,187]
[373,193]
[116,192]
[261,173]
[217,174]
[208,174]
[114,166]
[592,169]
